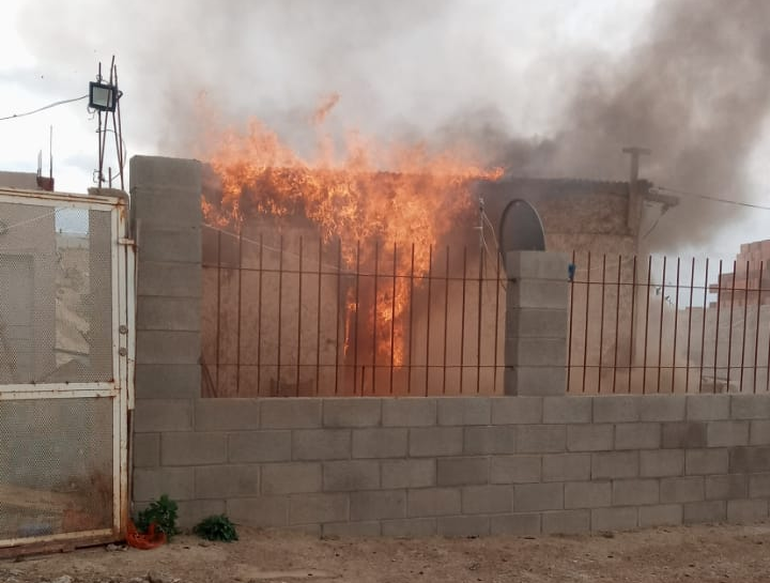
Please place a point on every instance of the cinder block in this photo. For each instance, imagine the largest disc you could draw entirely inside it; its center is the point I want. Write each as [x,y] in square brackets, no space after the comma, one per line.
[535,352]
[759,432]
[534,381]
[156,173]
[462,471]
[191,512]
[163,415]
[173,245]
[463,526]
[660,515]
[635,492]
[518,469]
[537,265]
[537,323]
[750,406]
[378,505]
[566,522]
[295,413]
[231,481]
[614,519]
[168,313]
[516,410]
[193,449]
[708,407]
[419,473]
[167,381]
[637,436]
[566,466]
[168,279]
[749,459]
[541,438]
[520,524]
[409,412]
[435,441]
[315,508]
[433,502]
[500,439]
[746,511]
[152,483]
[705,461]
[684,435]
[727,433]
[262,512]
[566,410]
[616,464]
[167,208]
[663,408]
[616,408]
[321,444]
[532,497]
[709,512]
[259,446]
[371,528]
[487,499]
[661,463]
[226,414]
[464,411]
[593,437]
[167,347]
[352,412]
[291,478]
[409,528]
[538,295]
[146,450]
[759,486]
[595,494]
[728,487]
[380,443]
[344,476]
[677,490]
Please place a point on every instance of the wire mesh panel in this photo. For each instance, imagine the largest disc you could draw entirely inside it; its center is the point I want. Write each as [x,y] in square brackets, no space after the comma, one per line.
[55,294]
[56,466]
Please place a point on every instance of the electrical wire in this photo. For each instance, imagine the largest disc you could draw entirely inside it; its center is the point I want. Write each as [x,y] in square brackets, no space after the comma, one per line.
[39,109]
[713,198]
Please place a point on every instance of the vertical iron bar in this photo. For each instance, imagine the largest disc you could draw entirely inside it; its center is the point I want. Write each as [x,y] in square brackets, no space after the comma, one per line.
[318,322]
[238,327]
[646,325]
[393,316]
[617,327]
[689,327]
[703,324]
[601,319]
[676,324]
[745,323]
[571,315]
[660,330]
[219,302]
[355,320]
[374,317]
[462,333]
[716,334]
[340,301]
[280,309]
[259,316]
[585,339]
[497,319]
[299,315]
[730,324]
[632,341]
[411,323]
[427,337]
[478,326]
[759,313]
[446,317]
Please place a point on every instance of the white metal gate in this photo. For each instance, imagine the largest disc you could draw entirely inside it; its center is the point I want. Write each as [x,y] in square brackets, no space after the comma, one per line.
[66,368]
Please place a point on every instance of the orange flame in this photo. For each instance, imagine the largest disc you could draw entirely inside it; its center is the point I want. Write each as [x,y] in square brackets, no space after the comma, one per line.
[371,193]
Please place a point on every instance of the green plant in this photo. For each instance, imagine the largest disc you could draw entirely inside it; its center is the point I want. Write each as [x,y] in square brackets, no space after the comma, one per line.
[162,513]
[216,528]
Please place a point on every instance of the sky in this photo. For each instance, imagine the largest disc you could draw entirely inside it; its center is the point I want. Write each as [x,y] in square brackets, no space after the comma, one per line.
[403,68]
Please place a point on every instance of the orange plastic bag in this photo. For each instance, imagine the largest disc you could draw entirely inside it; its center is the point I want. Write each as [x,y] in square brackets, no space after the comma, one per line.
[149,540]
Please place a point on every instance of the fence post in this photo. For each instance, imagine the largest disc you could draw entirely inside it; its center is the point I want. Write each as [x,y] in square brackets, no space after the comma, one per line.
[537,311]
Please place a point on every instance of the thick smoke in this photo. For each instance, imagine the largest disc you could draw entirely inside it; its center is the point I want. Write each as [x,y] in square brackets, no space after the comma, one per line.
[694,86]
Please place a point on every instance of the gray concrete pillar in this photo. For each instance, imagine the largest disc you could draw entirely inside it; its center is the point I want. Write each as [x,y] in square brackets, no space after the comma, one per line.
[537,312]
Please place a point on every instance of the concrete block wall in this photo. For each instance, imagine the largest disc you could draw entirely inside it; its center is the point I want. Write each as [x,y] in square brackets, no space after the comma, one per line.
[464,466]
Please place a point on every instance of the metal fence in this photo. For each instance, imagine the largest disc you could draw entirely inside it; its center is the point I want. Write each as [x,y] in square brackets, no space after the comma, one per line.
[292,315]
[662,325]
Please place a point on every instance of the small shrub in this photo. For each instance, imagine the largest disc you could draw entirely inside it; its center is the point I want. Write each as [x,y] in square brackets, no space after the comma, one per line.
[217,528]
[163,513]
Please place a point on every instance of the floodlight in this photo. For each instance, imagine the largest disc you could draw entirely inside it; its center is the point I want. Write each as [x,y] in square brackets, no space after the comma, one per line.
[102,96]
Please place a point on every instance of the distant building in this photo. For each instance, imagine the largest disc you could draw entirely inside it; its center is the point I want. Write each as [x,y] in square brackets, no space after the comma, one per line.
[26,181]
[752,274]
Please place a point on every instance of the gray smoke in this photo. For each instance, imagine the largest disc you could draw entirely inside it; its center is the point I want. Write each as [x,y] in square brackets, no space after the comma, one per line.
[694,86]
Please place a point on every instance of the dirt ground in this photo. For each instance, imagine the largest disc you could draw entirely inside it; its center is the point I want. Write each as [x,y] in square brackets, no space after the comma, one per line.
[702,553]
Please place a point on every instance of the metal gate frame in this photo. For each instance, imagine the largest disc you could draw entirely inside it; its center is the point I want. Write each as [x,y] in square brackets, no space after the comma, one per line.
[120,390]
